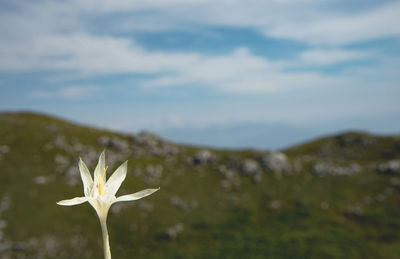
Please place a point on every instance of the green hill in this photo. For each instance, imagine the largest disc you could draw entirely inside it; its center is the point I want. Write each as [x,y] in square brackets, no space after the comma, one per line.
[335,197]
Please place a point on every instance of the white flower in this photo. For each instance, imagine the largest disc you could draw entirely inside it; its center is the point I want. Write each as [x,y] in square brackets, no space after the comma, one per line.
[100,193]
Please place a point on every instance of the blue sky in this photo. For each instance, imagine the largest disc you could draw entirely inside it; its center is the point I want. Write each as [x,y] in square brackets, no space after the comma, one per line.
[197,70]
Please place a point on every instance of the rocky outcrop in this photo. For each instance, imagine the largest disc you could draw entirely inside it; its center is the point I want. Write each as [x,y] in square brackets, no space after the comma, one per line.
[391,167]
[173,231]
[250,166]
[362,140]
[4,149]
[148,143]
[322,168]
[114,143]
[203,157]
[276,162]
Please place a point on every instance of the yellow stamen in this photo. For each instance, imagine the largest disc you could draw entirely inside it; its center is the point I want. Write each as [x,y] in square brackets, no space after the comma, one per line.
[104,172]
[100,180]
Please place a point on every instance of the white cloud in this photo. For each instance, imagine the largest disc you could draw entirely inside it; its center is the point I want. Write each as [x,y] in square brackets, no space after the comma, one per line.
[69,92]
[239,71]
[89,55]
[62,39]
[323,57]
[310,21]
[340,29]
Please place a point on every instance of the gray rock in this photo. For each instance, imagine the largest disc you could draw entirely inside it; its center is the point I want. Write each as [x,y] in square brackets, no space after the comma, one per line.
[145,138]
[250,167]
[355,209]
[153,173]
[115,143]
[326,168]
[186,206]
[41,179]
[73,176]
[60,141]
[231,177]
[276,162]
[391,167]
[324,205]
[4,204]
[173,231]
[4,149]
[148,143]
[145,206]
[355,140]
[47,246]
[178,202]
[275,205]
[103,141]
[19,246]
[62,163]
[90,156]
[225,184]
[203,157]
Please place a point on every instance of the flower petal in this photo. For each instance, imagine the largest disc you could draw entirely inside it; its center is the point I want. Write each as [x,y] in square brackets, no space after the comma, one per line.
[98,175]
[101,165]
[74,201]
[86,177]
[116,179]
[136,195]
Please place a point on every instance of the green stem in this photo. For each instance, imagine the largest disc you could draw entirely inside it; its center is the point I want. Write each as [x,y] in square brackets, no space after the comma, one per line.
[106,245]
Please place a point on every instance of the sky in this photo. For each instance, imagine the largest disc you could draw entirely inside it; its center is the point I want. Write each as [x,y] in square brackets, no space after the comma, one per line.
[227,73]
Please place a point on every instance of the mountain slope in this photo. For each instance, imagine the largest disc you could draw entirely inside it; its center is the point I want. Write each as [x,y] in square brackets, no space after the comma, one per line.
[334,197]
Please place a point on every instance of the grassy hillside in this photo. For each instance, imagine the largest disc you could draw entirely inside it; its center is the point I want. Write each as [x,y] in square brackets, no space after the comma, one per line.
[336,197]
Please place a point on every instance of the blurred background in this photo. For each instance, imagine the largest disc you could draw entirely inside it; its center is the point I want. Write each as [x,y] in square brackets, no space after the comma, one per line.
[272,127]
